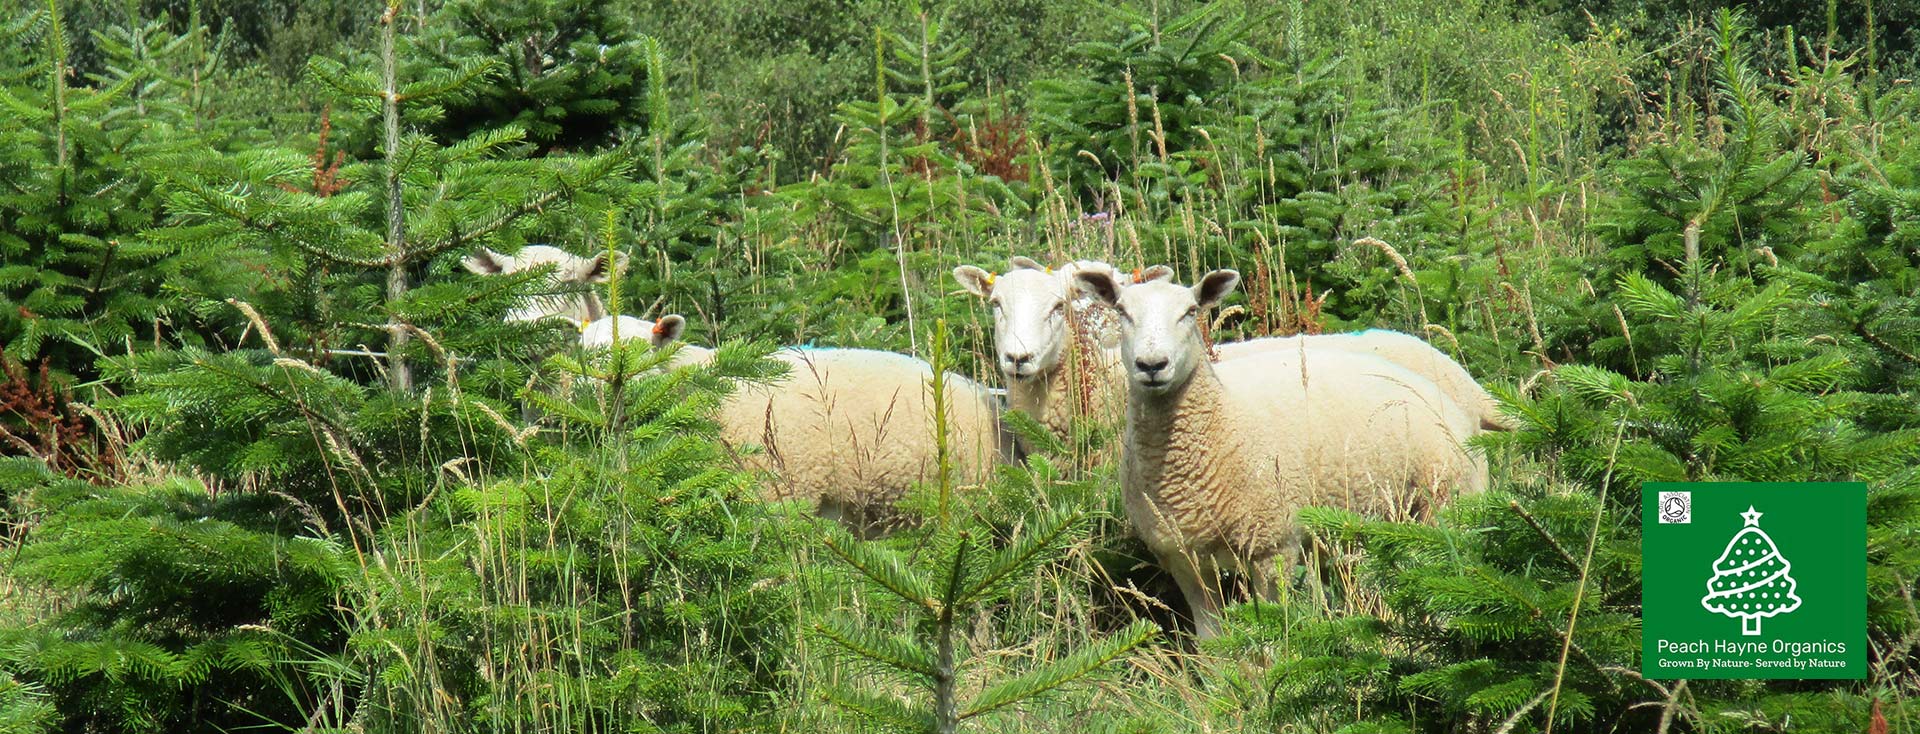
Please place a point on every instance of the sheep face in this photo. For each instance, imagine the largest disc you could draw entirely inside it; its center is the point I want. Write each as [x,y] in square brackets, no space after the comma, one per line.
[1160,342]
[1029,308]
[568,270]
[599,334]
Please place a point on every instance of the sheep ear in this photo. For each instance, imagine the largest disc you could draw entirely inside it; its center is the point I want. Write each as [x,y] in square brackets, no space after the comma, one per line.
[597,270]
[667,329]
[1099,284]
[487,262]
[1157,272]
[1215,286]
[1021,262]
[976,281]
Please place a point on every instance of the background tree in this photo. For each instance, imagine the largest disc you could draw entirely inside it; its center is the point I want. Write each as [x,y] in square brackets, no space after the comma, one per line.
[571,73]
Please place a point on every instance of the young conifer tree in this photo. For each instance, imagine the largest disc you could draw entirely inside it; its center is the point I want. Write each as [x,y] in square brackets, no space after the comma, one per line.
[78,277]
[357,253]
[915,637]
[189,607]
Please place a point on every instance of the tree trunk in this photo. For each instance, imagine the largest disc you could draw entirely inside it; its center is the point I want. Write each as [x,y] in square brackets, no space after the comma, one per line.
[399,377]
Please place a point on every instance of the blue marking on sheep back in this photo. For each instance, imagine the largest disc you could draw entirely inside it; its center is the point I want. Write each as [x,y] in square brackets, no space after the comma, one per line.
[1390,332]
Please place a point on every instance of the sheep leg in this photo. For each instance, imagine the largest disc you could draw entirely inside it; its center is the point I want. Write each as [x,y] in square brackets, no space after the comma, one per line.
[1201,601]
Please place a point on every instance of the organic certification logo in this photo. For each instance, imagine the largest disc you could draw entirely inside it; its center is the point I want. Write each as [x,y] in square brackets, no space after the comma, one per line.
[1676,507]
[1753,580]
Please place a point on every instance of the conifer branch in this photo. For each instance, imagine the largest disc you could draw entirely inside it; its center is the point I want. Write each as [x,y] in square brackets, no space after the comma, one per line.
[1881,342]
[467,237]
[1514,505]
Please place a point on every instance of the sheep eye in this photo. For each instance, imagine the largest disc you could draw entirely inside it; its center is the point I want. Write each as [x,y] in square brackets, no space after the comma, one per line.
[1192,311]
[994,304]
[1060,307]
[1123,313]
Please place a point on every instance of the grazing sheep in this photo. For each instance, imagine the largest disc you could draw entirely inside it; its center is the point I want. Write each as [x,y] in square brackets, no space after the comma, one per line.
[1219,458]
[1057,347]
[848,429]
[599,334]
[569,297]
[1406,350]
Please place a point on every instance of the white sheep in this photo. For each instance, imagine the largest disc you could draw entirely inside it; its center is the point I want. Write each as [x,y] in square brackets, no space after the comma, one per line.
[1057,347]
[1403,349]
[849,429]
[1040,320]
[570,295]
[598,334]
[1219,458]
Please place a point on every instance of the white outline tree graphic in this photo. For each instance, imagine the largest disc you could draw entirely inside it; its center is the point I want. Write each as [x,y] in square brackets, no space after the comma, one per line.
[1751,579]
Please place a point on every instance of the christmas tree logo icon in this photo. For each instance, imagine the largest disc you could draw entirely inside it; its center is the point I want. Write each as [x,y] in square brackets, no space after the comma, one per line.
[1751,580]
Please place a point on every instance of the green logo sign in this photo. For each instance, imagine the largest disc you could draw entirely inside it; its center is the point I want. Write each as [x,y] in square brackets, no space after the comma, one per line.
[1754,580]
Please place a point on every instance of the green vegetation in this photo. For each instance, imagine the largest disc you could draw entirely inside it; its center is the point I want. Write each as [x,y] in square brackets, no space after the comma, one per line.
[271,460]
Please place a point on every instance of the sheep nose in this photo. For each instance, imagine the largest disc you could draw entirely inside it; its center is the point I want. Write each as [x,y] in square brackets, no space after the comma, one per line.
[1150,366]
[1019,360]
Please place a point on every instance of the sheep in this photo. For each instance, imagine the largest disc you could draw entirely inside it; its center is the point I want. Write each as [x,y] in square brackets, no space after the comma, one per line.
[849,430]
[598,334]
[1406,350]
[1218,458]
[1031,338]
[570,298]
[1057,348]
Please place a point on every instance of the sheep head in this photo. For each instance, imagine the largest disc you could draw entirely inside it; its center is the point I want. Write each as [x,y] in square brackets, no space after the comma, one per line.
[1160,342]
[1029,305]
[576,304]
[599,333]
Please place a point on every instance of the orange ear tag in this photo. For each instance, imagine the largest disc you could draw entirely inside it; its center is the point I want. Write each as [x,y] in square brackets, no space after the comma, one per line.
[659,328]
[1136,275]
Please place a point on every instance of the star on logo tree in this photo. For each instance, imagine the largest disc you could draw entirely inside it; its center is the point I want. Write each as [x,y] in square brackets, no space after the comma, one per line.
[1751,580]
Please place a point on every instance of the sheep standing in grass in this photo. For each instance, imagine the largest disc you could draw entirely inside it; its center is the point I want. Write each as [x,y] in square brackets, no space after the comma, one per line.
[1053,345]
[850,430]
[570,295]
[1406,350]
[1218,459]
[1059,349]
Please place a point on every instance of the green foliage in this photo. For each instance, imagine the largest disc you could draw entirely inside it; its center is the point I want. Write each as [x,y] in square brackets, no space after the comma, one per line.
[179,605]
[572,71]
[1143,105]
[925,652]
[23,708]
[347,242]
[80,277]
[631,584]
[964,571]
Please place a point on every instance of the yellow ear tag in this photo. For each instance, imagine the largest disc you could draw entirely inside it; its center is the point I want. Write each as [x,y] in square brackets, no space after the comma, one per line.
[583,326]
[991,277]
[1049,270]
